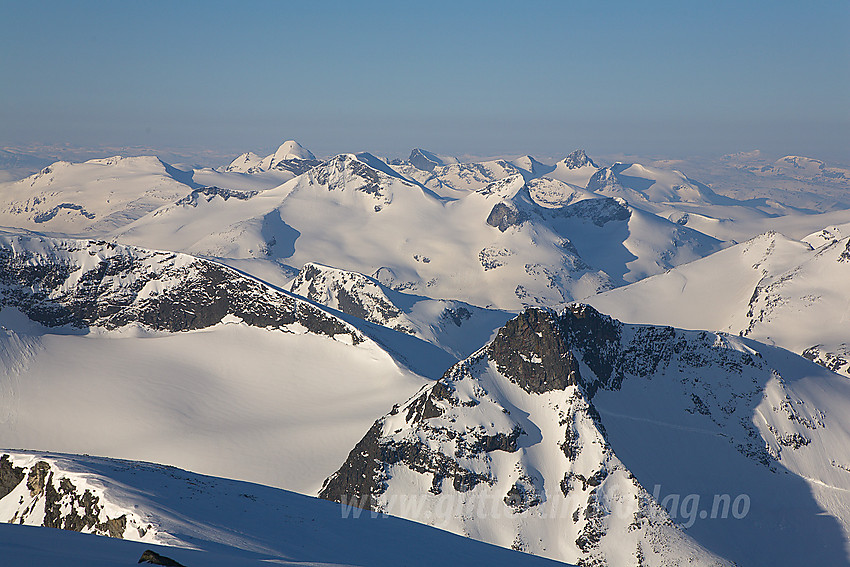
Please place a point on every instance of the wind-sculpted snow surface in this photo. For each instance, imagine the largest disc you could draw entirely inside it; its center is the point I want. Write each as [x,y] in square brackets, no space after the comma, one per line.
[522,445]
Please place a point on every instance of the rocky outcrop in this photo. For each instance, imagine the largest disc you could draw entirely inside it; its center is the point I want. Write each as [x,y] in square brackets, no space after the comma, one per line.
[837,360]
[10,476]
[465,442]
[350,292]
[426,161]
[154,558]
[100,284]
[577,159]
[504,216]
[207,193]
[40,493]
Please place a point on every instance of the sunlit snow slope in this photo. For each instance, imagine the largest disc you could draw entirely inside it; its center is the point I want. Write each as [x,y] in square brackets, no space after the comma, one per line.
[200,520]
[126,352]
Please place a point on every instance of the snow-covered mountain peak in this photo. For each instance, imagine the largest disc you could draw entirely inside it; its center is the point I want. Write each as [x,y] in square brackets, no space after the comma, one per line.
[505,188]
[94,196]
[455,326]
[244,163]
[292,150]
[577,159]
[545,440]
[640,184]
[530,167]
[552,193]
[800,162]
[290,156]
[132,161]
[361,172]
[576,169]
[427,161]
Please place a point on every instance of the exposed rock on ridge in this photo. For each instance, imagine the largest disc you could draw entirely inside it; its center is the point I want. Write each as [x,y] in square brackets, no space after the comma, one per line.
[100,284]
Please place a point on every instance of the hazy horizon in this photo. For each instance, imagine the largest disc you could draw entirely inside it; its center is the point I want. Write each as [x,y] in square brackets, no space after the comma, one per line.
[655,78]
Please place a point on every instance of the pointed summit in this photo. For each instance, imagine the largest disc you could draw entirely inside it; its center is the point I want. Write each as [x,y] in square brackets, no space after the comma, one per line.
[576,169]
[424,160]
[292,150]
[288,151]
[577,159]
[244,162]
[427,161]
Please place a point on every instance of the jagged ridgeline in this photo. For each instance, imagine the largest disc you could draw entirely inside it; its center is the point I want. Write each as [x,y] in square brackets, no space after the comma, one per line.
[520,444]
[42,496]
[100,284]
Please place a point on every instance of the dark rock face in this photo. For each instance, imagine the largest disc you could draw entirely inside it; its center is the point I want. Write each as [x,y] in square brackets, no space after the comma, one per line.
[195,196]
[357,177]
[532,352]
[357,481]
[535,349]
[155,558]
[193,294]
[578,159]
[845,256]
[423,160]
[503,217]
[65,506]
[296,166]
[10,476]
[362,477]
[38,477]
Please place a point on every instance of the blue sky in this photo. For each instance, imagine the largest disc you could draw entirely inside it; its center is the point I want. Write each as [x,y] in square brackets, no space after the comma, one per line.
[666,78]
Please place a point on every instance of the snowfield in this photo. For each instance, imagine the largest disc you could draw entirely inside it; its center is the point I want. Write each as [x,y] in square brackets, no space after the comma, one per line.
[600,364]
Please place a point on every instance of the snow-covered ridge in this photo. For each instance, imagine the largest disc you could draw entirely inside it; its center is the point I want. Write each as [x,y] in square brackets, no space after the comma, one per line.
[198,520]
[530,430]
[147,354]
[94,196]
[773,289]
[457,327]
[38,490]
[101,284]
[290,156]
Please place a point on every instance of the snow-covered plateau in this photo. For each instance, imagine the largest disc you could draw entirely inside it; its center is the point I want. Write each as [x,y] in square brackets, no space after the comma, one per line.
[355,360]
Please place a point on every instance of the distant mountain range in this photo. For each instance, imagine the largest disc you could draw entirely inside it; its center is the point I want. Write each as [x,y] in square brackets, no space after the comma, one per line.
[601,365]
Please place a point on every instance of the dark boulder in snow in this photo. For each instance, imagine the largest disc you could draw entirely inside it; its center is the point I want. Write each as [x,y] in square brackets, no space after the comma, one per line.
[154,558]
